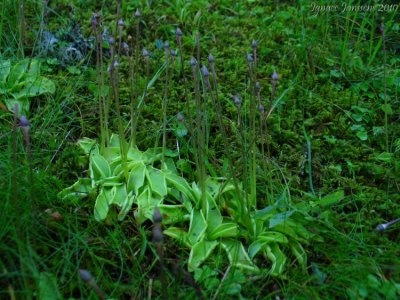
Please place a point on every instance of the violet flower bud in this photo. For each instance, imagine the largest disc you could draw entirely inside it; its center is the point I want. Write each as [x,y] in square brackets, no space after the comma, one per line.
[211,59]
[237,101]
[249,58]
[178,32]
[85,275]
[275,76]
[23,121]
[121,23]
[145,53]
[254,44]
[166,45]
[137,13]
[204,71]
[193,62]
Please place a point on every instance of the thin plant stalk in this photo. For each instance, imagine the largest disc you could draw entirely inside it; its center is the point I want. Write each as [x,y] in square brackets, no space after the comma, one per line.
[100,84]
[14,178]
[139,106]
[252,146]
[215,100]
[22,28]
[199,137]
[165,104]
[134,77]
[385,87]
[25,131]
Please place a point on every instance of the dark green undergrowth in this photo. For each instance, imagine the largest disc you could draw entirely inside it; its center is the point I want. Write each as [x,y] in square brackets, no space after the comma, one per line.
[334,130]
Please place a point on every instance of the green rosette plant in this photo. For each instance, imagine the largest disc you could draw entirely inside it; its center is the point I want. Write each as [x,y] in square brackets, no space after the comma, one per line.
[274,232]
[22,81]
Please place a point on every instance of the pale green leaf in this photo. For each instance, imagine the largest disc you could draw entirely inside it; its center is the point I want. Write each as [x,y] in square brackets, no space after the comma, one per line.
[278,259]
[197,228]
[273,236]
[121,195]
[179,234]
[255,247]
[101,168]
[214,219]
[224,230]
[5,67]
[33,71]
[157,181]
[80,189]
[40,86]
[332,198]
[199,253]
[17,72]
[179,183]
[126,206]
[103,201]
[136,177]
[299,253]
[146,204]
[237,256]
[86,144]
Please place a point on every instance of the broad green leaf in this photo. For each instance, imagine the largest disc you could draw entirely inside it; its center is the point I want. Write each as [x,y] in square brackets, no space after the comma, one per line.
[199,253]
[255,247]
[136,177]
[273,236]
[157,181]
[179,234]
[196,193]
[179,183]
[299,253]
[40,86]
[237,255]
[265,213]
[48,288]
[135,155]
[110,181]
[126,206]
[146,204]
[17,71]
[33,71]
[214,219]
[277,257]
[5,67]
[121,195]
[279,218]
[103,201]
[287,230]
[101,168]
[23,105]
[197,228]
[86,144]
[330,199]
[224,230]
[78,190]
[172,213]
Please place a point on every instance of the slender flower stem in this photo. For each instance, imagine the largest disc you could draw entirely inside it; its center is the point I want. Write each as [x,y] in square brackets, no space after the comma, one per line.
[165,103]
